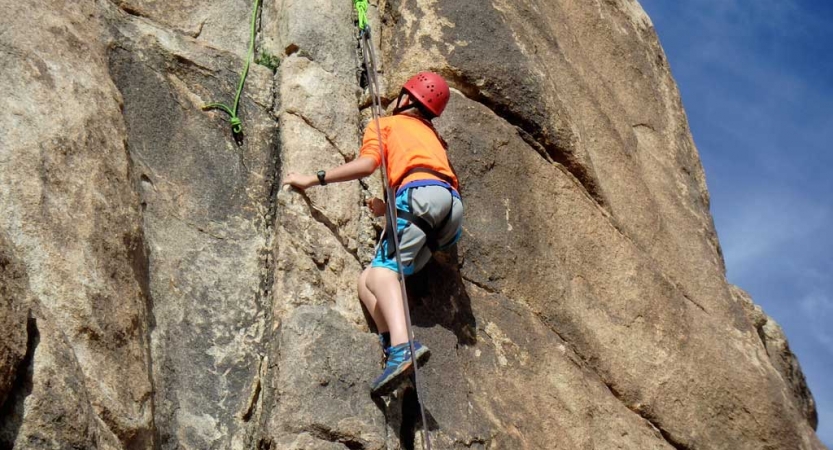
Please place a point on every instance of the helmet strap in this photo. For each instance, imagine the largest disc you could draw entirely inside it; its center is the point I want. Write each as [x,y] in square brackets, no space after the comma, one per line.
[413,104]
[400,109]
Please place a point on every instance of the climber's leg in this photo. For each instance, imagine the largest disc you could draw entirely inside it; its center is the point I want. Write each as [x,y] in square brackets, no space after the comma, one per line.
[383,286]
[371,303]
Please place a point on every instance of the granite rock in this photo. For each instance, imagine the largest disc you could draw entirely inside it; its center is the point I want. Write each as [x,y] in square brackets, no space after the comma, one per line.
[160,290]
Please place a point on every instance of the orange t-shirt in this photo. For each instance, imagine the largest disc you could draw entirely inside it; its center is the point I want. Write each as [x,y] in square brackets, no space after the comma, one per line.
[408,143]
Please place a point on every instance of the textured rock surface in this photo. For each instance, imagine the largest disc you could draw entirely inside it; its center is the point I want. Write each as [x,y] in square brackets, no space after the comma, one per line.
[218,24]
[658,353]
[778,349]
[69,211]
[159,291]
[206,214]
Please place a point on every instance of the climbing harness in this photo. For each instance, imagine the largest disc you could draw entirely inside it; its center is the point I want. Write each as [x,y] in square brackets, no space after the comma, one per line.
[236,123]
[431,232]
[369,59]
[427,170]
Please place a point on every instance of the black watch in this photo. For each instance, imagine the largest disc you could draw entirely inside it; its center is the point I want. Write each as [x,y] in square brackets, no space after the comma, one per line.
[321,174]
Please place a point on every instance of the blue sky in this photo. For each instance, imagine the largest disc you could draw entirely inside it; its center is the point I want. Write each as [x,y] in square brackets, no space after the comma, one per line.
[756,77]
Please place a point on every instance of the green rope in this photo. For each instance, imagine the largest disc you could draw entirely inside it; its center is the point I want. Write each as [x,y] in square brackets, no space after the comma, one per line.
[361,11]
[236,124]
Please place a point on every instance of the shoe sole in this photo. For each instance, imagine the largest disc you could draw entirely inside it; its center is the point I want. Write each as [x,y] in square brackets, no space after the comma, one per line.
[423,355]
[395,379]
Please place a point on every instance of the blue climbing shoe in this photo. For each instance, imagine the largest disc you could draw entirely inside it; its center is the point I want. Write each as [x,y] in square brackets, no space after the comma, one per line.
[398,365]
[385,343]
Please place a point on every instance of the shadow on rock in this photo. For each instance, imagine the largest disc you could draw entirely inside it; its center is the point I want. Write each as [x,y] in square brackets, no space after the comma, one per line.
[403,415]
[11,413]
[238,137]
[438,296]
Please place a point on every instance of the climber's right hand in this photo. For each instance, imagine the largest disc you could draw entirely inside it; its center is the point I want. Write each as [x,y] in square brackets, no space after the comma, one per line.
[299,181]
[377,206]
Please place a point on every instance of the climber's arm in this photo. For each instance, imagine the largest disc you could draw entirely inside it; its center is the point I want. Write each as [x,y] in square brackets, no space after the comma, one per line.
[353,170]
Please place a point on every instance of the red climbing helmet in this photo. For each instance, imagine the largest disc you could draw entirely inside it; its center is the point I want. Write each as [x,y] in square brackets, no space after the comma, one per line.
[430,90]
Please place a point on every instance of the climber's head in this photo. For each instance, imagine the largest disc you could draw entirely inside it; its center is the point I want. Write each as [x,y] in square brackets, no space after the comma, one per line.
[427,92]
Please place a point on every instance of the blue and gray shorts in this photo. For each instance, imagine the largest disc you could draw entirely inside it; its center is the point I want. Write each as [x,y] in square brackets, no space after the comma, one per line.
[438,206]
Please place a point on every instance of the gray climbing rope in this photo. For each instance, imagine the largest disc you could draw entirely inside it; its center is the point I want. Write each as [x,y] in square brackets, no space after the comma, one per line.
[369,58]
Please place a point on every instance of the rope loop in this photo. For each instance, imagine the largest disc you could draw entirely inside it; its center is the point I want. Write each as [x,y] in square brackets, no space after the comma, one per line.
[236,123]
[361,12]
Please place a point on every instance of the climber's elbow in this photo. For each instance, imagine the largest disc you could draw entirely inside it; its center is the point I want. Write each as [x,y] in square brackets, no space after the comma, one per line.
[366,166]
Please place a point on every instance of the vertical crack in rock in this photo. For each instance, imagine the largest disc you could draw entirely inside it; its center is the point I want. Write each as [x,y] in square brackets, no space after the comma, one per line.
[530,140]
[552,153]
[410,419]
[267,252]
[140,264]
[139,258]
[165,57]
[547,156]
[267,259]
[246,415]
[270,215]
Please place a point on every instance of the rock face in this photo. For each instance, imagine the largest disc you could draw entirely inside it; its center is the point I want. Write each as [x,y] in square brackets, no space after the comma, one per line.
[158,290]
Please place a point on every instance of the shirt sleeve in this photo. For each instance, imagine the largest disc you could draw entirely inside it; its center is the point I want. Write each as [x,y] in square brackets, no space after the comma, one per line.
[370,142]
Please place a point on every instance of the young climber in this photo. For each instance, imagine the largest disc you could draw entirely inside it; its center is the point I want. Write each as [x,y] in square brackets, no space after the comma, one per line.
[429,210]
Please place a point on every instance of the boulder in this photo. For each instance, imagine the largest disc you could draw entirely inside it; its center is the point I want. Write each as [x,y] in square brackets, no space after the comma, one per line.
[68,210]
[160,289]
